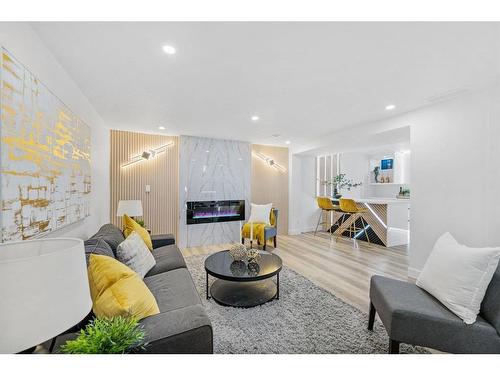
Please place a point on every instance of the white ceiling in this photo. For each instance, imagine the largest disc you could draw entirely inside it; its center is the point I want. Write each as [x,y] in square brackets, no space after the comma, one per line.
[303,79]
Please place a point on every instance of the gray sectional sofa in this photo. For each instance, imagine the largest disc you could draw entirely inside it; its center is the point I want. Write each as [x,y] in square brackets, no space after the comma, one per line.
[182,325]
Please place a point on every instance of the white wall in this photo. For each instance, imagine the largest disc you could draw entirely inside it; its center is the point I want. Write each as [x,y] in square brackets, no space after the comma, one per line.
[455,170]
[304,211]
[356,166]
[24,44]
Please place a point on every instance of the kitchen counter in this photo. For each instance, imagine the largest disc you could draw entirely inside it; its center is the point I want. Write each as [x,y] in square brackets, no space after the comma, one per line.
[388,219]
[382,200]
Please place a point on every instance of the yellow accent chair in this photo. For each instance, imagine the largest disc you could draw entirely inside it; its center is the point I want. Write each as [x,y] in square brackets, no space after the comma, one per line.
[349,207]
[262,232]
[326,205]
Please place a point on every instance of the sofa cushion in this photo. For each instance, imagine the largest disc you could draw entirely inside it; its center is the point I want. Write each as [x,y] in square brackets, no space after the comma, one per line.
[185,330]
[458,275]
[111,234]
[173,290]
[130,225]
[97,246]
[411,315]
[117,290]
[167,258]
[134,253]
[490,308]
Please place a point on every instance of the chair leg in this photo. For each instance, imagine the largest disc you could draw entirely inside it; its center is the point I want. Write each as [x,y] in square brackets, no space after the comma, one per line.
[275,241]
[242,240]
[371,316]
[319,219]
[393,346]
[264,246]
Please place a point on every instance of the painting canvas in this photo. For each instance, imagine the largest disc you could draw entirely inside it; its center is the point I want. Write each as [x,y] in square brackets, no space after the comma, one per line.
[44,157]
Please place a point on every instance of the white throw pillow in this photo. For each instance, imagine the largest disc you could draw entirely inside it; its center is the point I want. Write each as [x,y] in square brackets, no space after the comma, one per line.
[134,253]
[458,276]
[260,213]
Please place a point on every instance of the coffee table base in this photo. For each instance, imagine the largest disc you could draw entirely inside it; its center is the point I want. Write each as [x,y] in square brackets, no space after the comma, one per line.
[243,294]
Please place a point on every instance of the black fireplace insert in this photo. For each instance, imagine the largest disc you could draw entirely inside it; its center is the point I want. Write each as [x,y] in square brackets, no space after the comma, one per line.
[199,212]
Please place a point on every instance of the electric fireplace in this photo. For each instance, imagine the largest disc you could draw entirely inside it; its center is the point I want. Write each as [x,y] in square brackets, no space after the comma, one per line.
[199,212]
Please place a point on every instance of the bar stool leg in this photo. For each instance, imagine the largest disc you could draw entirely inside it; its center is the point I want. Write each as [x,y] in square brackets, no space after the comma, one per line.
[365,228]
[319,219]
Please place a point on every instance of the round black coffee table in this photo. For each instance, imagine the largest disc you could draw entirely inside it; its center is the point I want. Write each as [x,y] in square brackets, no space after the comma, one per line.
[240,283]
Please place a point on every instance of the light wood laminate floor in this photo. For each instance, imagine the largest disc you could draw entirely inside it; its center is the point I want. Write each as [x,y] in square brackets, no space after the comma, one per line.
[339,266]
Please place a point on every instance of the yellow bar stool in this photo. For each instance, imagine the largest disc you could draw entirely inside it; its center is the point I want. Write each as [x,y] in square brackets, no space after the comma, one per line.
[326,205]
[349,206]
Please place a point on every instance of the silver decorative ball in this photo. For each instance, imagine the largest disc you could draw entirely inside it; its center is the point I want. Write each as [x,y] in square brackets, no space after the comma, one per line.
[238,252]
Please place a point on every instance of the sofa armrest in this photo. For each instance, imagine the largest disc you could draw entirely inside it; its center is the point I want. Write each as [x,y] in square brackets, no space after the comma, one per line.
[160,240]
[185,330]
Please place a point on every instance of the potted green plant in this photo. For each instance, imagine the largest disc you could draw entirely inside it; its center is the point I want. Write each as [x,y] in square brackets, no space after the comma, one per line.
[117,335]
[339,182]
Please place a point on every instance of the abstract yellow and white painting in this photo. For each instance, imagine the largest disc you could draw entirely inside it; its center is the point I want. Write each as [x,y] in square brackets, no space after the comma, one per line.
[44,157]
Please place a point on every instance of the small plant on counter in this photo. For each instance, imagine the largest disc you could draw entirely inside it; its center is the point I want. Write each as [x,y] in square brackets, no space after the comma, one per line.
[117,335]
[340,181]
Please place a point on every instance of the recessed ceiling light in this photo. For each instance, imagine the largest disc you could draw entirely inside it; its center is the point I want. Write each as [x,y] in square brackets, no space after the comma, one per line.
[207,151]
[390,107]
[161,127]
[169,50]
[255,118]
[287,142]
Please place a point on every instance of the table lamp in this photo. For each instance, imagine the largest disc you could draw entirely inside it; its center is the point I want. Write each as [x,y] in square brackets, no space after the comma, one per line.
[132,208]
[44,291]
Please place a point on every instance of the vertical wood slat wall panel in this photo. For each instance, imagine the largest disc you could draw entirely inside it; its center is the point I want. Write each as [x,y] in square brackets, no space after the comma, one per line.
[160,206]
[270,185]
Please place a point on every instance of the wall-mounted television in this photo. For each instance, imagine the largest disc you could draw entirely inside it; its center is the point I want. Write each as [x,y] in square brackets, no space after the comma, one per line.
[386,164]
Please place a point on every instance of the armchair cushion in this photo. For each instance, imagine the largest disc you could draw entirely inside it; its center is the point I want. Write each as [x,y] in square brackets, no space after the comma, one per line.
[490,308]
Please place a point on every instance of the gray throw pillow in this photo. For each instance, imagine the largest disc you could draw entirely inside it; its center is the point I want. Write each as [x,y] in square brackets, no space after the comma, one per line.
[134,253]
[111,234]
[97,246]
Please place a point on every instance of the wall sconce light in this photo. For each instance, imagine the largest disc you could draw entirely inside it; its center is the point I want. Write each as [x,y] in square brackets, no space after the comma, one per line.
[148,154]
[269,161]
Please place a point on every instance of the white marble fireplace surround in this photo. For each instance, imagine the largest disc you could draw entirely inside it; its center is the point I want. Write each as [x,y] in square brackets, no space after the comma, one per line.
[212,169]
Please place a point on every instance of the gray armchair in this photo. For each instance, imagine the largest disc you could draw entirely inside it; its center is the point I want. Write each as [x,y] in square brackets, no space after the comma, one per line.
[412,316]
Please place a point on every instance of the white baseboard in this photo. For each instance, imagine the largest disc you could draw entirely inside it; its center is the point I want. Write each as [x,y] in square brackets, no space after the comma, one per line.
[413,272]
[296,231]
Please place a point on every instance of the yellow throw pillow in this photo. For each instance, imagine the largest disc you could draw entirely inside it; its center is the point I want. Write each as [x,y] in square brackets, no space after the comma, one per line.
[130,225]
[117,290]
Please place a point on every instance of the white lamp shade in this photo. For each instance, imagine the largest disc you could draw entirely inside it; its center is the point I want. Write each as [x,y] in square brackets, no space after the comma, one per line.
[130,208]
[44,290]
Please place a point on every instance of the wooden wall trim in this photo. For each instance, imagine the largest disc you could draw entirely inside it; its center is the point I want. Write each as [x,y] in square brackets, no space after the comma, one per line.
[270,185]
[161,205]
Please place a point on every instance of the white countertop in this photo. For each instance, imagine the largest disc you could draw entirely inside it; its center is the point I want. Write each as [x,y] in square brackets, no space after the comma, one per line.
[382,200]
